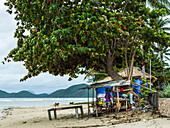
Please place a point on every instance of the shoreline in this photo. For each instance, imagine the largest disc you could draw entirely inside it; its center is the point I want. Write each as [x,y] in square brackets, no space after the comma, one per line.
[37,117]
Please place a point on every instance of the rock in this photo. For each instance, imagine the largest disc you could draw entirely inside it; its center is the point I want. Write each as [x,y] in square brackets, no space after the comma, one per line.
[143,119]
[24,122]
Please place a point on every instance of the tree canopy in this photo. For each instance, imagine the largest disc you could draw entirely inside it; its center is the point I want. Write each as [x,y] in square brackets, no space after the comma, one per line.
[73,36]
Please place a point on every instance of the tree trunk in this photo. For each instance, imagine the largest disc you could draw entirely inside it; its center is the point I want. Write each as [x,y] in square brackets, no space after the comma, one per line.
[143,66]
[131,66]
[109,67]
[143,70]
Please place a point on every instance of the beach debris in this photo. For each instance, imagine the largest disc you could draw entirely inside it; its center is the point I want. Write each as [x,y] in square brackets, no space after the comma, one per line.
[71,103]
[36,121]
[5,112]
[24,122]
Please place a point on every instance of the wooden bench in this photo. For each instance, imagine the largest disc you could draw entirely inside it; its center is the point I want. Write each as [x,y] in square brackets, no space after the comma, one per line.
[63,108]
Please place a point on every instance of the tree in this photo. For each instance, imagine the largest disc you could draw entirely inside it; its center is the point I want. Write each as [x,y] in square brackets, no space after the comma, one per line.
[161,4]
[71,37]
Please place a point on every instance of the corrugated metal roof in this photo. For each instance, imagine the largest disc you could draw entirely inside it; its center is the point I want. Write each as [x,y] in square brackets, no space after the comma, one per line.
[108,84]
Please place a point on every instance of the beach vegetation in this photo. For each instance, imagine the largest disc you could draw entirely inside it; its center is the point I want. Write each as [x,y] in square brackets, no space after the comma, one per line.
[166,91]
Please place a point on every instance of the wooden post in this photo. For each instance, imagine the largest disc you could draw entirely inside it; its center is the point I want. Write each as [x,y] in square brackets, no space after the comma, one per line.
[88,103]
[77,114]
[118,98]
[49,115]
[96,104]
[93,99]
[126,104]
[55,115]
[112,99]
[81,109]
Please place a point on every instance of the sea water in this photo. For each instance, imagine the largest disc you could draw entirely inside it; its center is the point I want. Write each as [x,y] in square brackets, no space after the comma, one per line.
[37,102]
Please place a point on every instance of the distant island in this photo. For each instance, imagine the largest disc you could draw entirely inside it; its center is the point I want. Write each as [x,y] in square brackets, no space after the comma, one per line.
[70,92]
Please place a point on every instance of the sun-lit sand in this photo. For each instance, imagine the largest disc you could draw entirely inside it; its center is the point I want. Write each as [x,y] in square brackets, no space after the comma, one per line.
[37,117]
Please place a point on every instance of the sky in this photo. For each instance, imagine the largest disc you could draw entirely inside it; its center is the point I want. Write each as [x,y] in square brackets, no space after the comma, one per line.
[10,73]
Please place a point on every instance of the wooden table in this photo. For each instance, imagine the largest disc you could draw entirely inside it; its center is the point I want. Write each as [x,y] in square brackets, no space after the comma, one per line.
[63,108]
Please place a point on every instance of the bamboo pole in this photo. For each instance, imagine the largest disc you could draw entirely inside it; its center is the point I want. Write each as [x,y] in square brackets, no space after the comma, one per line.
[144,87]
[112,99]
[88,103]
[93,99]
[96,103]
[117,98]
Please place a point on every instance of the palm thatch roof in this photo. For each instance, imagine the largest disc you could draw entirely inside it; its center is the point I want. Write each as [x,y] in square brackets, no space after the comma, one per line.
[137,72]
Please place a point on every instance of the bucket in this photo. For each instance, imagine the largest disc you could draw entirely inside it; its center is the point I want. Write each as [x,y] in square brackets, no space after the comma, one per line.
[119,105]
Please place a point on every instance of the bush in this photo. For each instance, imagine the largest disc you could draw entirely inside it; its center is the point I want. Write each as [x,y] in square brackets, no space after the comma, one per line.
[166,91]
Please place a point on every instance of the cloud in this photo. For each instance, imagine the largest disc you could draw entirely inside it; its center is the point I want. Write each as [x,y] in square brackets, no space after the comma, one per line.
[10,73]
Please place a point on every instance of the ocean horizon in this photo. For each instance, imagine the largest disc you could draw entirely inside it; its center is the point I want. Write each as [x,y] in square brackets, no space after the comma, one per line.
[37,102]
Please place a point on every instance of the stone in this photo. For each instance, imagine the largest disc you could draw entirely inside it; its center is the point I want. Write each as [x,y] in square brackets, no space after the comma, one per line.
[164,105]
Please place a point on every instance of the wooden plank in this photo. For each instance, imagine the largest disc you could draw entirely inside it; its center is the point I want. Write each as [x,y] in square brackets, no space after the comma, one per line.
[130,89]
[143,87]
[68,107]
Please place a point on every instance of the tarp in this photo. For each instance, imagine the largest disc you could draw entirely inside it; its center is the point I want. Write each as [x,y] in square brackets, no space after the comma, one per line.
[136,87]
[101,92]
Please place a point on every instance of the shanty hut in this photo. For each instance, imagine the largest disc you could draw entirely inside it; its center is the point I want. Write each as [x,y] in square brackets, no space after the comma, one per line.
[114,86]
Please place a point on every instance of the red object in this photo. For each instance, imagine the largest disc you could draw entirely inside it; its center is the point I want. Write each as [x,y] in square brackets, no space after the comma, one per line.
[80,25]
[139,18]
[51,1]
[124,27]
[119,26]
[120,31]
[112,24]
[58,43]
[38,45]
[121,89]
[74,26]
[139,23]
[96,26]
[119,16]
[89,32]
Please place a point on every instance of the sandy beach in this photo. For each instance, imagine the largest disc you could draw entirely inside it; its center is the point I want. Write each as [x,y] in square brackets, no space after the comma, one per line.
[37,117]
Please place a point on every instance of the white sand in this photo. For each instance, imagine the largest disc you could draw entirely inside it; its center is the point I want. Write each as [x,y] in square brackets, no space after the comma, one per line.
[37,117]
